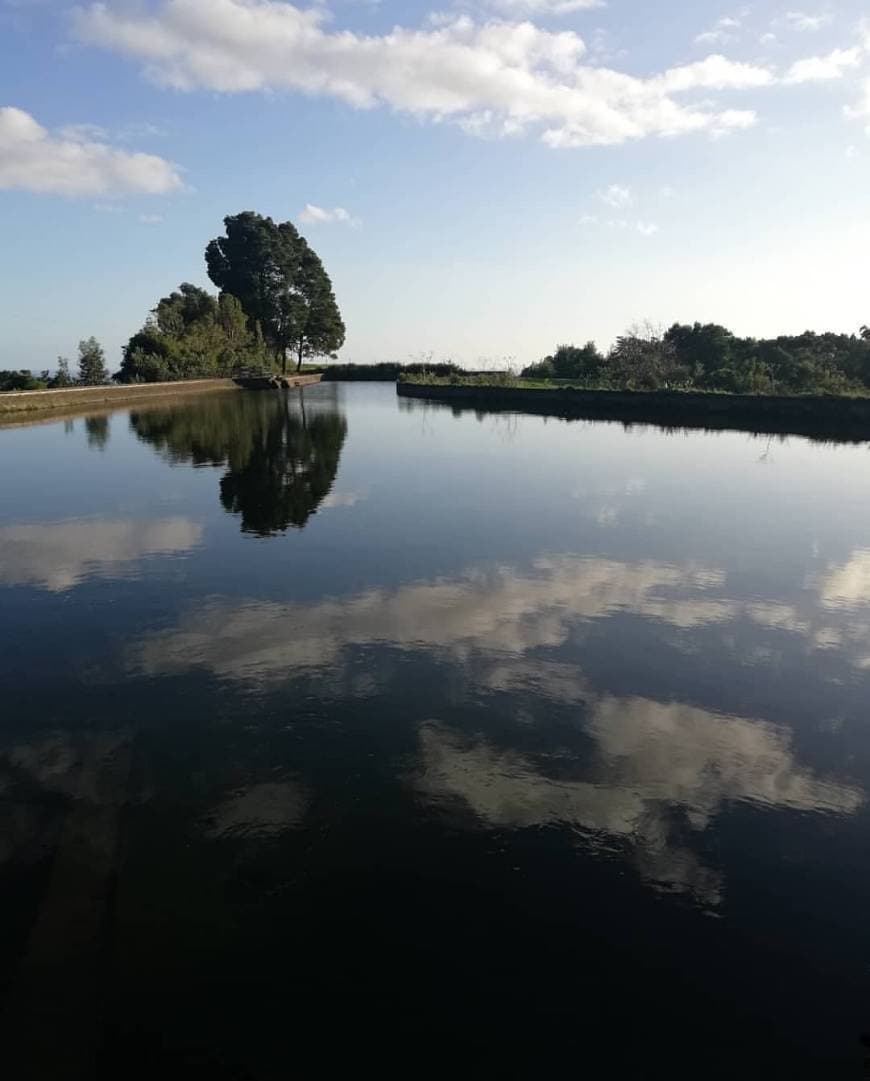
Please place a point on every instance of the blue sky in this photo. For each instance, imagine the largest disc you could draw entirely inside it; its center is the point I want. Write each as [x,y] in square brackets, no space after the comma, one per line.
[483,178]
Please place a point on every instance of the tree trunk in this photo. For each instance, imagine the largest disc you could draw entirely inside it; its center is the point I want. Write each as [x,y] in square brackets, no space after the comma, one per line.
[283,361]
[301,347]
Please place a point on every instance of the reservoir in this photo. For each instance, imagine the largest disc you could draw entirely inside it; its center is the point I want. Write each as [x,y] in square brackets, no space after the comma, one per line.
[349,732]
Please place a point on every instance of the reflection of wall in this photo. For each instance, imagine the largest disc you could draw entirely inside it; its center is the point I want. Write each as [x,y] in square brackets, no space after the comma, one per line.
[58,556]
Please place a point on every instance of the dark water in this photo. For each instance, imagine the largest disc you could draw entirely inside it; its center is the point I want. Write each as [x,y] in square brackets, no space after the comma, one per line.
[344,734]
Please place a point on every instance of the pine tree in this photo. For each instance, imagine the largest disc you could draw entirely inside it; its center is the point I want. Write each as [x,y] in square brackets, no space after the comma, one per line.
[92,363]
[62,377]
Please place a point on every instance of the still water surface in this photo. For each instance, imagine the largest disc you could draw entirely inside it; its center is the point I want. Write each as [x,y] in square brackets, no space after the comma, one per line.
[337,726]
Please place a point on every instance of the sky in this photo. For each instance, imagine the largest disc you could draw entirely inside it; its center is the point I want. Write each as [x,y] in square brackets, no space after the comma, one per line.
[484,179]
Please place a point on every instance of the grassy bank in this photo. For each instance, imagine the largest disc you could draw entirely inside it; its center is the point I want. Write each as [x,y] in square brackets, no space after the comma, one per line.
[831,417]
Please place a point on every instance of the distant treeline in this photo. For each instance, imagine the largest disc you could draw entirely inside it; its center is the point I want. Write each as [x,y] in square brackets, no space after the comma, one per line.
[193,334]
[91,372]
[384,373]
[709,357]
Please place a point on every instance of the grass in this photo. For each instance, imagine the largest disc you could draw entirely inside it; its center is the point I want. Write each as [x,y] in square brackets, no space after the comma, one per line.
[497,380]
[473,379]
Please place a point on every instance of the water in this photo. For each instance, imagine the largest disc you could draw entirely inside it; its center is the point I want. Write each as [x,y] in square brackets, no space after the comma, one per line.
[345,728]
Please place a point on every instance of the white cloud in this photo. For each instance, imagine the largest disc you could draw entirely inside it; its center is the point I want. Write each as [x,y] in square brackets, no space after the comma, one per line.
[151,219]
[75,161]
[816,69]
[318,215]
[84,133]
[643,227]
[139,130]
[520,8]
[616,195]
[517,75]
[714,73]
[722,32]
[861,110]
[800,20]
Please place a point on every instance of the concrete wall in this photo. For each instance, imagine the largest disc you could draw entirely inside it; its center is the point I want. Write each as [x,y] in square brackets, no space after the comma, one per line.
[820,417]
[72,397]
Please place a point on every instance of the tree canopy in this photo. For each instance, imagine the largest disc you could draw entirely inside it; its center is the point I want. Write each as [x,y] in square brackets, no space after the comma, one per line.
[92,363]
[707,356]
[23,379]
[191,334]
[280,283]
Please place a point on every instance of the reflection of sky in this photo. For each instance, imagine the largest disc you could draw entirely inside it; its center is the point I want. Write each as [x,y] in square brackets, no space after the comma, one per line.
[658,773]
[682,620]
[261,810]
[59,555]
[653,764]
[501,610]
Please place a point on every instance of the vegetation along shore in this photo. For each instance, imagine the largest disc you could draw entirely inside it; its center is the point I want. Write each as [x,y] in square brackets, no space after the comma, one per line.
[836,418]
[276,307]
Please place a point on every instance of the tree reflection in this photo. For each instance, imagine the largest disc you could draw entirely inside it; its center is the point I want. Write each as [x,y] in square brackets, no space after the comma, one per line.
[97,429]
[289,473]
[282,451]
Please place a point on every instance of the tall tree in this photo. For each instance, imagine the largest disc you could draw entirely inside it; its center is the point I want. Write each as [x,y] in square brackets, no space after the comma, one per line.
[318,329]
[644,358]
[92,363]
[281,284]
[62,377]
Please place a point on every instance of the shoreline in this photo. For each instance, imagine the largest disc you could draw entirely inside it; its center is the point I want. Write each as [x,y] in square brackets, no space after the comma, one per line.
[32,401]
[27,403]
[833,418]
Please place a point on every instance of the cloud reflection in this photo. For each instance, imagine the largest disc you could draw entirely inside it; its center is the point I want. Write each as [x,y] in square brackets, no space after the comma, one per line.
[847,585]
[58,556]
[260,811]
[648,777]
[503,611]
[506,610]
[659,773]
